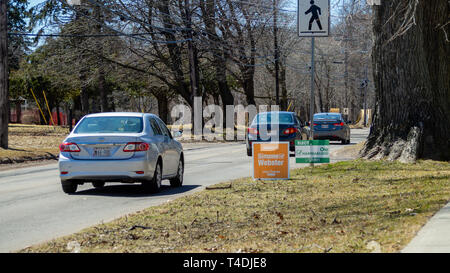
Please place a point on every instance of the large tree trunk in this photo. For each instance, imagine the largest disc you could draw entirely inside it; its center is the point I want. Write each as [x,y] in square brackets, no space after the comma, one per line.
[174,50]
[84,96]
[412,81]
[102,90]
[58,118]
[248,83]
[4,92]
[101,85]
[284,92]
[209,10]
[163,105]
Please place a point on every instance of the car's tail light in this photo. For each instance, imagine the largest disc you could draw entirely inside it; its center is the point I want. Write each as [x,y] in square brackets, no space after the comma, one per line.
[136,147]
[315,124]
[253,131]
[290,131]
[69,148]
[338,124]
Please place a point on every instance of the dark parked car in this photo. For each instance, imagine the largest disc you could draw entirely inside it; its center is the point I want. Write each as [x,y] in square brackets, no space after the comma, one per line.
[276,126]
[331,126]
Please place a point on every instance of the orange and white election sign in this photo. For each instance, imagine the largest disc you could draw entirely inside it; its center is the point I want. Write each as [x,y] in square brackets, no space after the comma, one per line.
[270,160]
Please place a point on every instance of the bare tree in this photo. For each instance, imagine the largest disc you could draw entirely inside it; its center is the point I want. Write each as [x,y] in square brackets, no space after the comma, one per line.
[4,97]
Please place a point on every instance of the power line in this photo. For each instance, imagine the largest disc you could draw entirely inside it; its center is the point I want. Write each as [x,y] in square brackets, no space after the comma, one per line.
[77,35]
[202,30]
[262,6]
[122,33]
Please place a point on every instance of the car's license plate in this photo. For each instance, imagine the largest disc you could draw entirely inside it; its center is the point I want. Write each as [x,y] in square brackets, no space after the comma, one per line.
[325,126]
[102,152]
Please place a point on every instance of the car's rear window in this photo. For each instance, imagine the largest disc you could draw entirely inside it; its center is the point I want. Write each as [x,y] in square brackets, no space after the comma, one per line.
[318,117]
[267,118]
[107,125]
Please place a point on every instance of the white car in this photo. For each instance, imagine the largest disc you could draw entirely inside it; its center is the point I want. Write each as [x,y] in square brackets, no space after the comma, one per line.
[120,147]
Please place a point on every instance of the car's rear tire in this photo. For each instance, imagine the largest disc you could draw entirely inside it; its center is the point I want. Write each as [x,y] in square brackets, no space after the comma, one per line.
[154,185]
[98,185]
[178,180]
[69,187]
[249,152]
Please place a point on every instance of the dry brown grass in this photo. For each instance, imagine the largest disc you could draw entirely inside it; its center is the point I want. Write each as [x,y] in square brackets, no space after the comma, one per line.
[342,207]
[32,142]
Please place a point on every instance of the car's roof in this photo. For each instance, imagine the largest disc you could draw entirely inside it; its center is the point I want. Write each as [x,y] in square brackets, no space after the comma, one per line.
[119,114]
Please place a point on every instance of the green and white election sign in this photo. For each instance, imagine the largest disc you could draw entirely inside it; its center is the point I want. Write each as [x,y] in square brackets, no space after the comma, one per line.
[312,151]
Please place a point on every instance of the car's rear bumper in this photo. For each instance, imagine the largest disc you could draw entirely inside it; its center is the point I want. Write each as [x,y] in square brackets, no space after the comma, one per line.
[331,135]
[105,170]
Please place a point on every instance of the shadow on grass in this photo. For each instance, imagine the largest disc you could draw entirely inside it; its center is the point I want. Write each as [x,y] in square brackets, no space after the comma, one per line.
[361,165]
[15,149]
[133,190]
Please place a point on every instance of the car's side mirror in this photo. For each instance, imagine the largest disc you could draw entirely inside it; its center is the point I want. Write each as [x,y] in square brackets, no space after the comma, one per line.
[177,134]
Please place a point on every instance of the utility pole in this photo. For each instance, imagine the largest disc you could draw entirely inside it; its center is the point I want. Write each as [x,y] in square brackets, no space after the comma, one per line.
[193,68]
[345,60]
[366,83]
[4,92]
[277,65]
[80,8]
[101,70]
[313,98]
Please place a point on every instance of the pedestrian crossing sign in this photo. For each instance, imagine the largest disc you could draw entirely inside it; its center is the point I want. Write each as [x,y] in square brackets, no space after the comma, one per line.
[313,18]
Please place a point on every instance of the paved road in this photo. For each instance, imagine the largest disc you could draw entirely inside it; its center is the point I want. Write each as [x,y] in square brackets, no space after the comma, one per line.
[34,209]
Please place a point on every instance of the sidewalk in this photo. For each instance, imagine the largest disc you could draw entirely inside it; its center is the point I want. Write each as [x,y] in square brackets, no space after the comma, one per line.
[434,237]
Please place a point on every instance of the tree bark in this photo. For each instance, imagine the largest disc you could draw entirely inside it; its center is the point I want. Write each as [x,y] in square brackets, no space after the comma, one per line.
[4,92]
[58,118]
[176,63]
[248,84]
[18,111]
[104,107]
[412,82]
[163,106]
[284,93]
[209,18]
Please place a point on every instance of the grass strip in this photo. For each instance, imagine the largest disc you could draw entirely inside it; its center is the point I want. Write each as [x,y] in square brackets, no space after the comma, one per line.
[353,206]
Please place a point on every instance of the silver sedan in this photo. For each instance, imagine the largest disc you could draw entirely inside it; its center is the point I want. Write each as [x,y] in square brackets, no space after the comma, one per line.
[120,147]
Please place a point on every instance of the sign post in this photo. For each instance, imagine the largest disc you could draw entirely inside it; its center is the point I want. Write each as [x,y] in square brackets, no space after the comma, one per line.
[313,19]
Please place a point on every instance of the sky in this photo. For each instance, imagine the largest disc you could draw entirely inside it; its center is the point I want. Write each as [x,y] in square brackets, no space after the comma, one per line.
[292,4]
[34,2]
